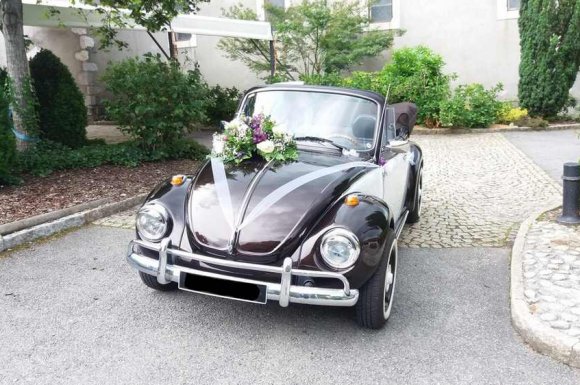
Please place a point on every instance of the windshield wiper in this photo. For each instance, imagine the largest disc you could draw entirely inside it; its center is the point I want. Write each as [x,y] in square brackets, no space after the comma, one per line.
[318,139]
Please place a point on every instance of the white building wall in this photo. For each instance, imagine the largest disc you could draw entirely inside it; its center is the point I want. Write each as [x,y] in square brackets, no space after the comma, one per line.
[478,40]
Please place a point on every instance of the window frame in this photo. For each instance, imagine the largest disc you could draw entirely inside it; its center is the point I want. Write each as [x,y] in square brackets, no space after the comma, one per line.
[504,13]
[395,22]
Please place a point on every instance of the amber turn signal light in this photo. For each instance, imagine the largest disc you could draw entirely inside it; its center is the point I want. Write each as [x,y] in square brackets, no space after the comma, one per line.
[351,200]
[177,180]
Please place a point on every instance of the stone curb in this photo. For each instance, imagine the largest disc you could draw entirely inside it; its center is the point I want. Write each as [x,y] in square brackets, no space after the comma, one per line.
[453,131]
[539,336]
[66,222]
[25,223]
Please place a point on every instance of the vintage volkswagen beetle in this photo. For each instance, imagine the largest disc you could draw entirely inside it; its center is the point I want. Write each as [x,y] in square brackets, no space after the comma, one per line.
[320,230]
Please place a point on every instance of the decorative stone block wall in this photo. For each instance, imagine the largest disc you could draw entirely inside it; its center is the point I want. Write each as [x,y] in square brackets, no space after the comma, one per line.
[87,77]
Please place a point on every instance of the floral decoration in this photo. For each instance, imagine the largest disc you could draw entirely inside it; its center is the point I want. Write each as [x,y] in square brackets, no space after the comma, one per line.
[247,137]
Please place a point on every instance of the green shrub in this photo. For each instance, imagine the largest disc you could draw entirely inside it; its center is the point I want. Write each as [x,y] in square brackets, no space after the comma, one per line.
[7,141]
[47,156]
[413,75]
[416,75]
[153,101]
[471,106]
[62,111]
[221,103]
[509,114]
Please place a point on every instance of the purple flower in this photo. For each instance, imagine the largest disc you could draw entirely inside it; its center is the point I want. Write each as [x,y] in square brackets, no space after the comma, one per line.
[382,161]
[256,121]
[259,136]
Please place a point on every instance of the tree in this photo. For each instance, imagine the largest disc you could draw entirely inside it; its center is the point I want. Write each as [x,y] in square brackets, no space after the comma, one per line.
[17,65]
[312,38]
[550,54]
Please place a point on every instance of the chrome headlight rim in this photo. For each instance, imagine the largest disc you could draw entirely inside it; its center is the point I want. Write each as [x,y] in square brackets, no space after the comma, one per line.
[157,209]
[345,234]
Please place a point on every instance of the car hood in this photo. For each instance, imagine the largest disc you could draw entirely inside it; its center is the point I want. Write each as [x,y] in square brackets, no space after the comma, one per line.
[259,209]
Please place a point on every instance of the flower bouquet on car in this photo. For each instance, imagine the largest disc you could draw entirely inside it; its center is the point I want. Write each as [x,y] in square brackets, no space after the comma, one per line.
[247,137]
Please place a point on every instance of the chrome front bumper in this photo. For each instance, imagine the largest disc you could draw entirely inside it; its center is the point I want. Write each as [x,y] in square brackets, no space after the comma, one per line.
[283,292]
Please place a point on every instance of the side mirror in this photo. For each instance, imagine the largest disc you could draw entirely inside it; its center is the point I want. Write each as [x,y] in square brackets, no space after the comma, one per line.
[405,119]
[397,143]
[403,132]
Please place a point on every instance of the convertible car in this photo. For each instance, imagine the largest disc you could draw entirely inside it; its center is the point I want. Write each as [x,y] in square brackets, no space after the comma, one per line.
[319,230]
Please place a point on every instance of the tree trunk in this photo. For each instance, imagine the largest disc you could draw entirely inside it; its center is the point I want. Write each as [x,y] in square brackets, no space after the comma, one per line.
[172,46]
[17,63]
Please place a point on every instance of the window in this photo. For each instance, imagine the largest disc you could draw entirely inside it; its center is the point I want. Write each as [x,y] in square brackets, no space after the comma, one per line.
[513,5]
[508,9]
[382,11]
[276,3]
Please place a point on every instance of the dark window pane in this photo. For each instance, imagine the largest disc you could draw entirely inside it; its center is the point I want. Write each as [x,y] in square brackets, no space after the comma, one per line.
[183,36]
[513,5]
[382,11]
[276,3]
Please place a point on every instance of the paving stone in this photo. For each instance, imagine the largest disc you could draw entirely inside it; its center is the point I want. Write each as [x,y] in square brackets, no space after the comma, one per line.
[560,324]
[548,317]
[559,293]
[477,189]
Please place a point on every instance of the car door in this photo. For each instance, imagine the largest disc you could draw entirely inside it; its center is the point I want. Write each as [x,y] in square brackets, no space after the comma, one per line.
[394,153]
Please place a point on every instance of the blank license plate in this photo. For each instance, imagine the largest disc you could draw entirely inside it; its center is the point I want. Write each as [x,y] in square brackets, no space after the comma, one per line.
[224,288]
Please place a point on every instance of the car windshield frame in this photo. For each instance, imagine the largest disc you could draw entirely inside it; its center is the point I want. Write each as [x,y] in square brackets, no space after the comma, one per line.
[379,115]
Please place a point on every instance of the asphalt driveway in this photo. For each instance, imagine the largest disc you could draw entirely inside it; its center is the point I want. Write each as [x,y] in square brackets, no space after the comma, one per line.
[548,149]
[73,312]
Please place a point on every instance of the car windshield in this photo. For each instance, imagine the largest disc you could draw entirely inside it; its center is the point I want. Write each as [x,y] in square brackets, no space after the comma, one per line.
[348,121]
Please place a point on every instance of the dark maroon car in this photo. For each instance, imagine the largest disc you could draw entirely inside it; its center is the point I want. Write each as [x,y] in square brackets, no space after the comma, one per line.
[321,230]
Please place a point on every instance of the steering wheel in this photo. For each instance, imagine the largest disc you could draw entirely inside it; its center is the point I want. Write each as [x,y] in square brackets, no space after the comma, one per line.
[349,138]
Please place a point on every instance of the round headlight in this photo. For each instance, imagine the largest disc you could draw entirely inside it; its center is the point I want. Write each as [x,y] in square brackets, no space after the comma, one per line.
[152,222]
[339,248]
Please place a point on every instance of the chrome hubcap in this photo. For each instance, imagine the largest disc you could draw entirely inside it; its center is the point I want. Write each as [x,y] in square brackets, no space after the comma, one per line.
[390,281]
[420,192]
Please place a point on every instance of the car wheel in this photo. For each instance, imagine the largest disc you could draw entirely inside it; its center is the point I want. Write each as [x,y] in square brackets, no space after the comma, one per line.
[375,301]
[151,281]
[415,214]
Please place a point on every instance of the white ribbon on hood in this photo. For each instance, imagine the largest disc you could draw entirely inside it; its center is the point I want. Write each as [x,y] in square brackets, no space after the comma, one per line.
[224,197]
[287,188]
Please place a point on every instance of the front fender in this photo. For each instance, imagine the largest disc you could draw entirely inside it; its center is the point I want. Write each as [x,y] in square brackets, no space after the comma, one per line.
[174,199]
[370,221]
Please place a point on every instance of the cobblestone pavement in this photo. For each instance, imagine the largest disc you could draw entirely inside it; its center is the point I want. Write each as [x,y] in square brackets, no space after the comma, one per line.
[551,274]
[123,220]
[477,188]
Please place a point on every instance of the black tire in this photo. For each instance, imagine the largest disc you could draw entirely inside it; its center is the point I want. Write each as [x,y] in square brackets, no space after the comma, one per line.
[415,213]
[372,309]
[151,281]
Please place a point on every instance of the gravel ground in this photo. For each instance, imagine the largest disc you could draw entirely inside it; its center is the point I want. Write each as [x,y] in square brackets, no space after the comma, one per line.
[64,189]
[72,311]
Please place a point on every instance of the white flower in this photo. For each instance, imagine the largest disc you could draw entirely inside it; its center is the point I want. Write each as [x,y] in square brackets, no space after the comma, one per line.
[267,146]
[279,129]
[233,125]
[218,144]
